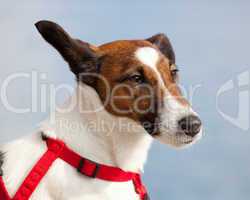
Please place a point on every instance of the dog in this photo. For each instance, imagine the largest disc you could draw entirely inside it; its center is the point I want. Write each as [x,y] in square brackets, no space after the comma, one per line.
[129,88]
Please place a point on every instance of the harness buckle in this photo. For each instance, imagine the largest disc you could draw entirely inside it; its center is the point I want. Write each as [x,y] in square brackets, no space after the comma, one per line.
[81,166]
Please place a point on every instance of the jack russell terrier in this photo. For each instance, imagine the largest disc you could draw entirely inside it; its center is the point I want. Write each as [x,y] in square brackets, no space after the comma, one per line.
[95,148]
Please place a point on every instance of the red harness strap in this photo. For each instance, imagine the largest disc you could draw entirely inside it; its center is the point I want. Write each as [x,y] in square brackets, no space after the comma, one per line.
[57,149]
[3,192]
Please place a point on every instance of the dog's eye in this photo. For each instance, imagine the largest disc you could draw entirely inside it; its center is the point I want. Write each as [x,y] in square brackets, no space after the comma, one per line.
[138,78]
[174,72]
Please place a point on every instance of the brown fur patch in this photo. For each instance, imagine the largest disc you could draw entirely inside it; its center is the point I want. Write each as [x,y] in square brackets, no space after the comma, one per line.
[119,60]
[169,81]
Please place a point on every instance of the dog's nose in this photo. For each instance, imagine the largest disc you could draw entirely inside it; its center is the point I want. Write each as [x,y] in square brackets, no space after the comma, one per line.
[191,125]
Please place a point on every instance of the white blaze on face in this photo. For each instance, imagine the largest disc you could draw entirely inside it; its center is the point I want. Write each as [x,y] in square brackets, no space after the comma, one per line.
[149,57]
[173,110]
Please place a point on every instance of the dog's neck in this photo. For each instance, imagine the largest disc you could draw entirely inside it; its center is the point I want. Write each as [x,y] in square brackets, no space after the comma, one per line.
[87,128]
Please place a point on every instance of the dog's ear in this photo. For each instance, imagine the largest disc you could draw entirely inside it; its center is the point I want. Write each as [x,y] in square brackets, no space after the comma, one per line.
[163,43]
[81,57]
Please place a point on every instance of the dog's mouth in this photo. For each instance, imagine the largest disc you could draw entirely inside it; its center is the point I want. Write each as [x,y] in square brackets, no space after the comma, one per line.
[151,124]
[169,133]
[186,139]
[188,142]
[176,139]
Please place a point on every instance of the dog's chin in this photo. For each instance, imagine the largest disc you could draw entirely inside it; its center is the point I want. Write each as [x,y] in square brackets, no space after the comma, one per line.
[177,140]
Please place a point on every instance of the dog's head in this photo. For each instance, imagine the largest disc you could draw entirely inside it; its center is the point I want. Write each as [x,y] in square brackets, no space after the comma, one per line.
[137,79]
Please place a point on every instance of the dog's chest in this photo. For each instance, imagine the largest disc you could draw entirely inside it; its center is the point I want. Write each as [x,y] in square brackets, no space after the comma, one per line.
[62,181]
[65,183]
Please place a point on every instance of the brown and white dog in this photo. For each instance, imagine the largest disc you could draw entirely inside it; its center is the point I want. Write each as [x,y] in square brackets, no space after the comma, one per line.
[127,95]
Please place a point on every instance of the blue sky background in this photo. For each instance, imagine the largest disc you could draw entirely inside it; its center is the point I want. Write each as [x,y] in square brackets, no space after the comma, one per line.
[211,40]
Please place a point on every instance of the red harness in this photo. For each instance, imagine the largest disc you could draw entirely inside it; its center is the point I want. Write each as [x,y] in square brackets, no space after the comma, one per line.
[58,149]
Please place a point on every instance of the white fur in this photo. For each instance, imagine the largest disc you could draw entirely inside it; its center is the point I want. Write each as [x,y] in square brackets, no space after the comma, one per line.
[116,146]
[172,110]
[171,113]
[149,57]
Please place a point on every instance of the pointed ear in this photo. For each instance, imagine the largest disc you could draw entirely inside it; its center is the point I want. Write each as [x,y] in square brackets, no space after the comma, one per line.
[163,43]
[79,55]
